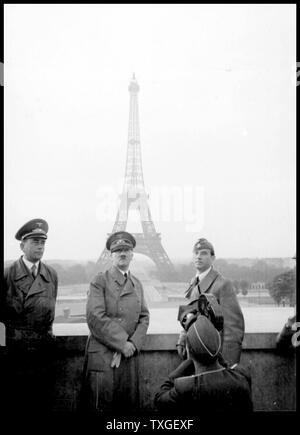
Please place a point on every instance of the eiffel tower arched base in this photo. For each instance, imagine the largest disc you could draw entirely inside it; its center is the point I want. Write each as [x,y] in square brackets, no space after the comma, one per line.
[151,247]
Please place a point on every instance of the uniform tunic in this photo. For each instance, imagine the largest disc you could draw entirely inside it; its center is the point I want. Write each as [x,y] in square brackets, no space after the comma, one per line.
[28,304]
[27,308]
[220,390]
[234,325]
[116,312]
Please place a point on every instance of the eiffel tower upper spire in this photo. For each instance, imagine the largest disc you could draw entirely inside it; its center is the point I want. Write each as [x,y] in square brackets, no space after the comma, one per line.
[134,170]
[133,85]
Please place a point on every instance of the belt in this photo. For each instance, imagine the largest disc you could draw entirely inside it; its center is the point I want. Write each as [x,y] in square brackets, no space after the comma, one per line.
[28,335]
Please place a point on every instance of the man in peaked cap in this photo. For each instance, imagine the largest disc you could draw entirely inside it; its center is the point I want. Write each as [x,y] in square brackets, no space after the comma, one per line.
[35,227]
[213,387]
[118,319]
[120,239]
[209,281]
[27,308]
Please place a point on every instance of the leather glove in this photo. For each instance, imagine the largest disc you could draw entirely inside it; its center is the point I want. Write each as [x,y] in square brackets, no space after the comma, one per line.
[115,362]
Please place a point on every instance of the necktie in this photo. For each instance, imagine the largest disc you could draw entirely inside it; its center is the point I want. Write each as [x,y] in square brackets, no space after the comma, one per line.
[34,271]
[125,275]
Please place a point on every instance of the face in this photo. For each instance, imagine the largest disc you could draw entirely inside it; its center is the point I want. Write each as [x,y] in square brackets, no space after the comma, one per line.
[122,258]
[202,259]
[33,249]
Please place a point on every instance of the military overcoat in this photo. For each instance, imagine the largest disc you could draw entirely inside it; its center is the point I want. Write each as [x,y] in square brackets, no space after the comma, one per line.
[27,309]
[234,325]
[28,304]
[217,390]
[116,312]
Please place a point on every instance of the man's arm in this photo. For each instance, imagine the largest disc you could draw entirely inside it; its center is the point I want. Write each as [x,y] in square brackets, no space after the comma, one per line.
[166,399]
[56,284]
[284,338]
[234,325]
[3,292]
[138,336]
[54,279]
[181,344]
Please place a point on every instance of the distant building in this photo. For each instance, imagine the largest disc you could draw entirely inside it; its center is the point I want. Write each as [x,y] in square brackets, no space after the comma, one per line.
[257,285]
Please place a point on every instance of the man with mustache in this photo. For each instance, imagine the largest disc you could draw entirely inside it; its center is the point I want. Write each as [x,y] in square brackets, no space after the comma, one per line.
[209,281]
[118,319]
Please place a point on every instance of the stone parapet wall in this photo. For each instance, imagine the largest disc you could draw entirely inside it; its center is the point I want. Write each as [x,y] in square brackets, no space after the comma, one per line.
[273,374]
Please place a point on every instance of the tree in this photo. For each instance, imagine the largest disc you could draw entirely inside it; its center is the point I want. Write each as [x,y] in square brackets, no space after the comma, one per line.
[283,287]
[222,266]
[236,286]
[185,271]
[259,271]
[76,274]
[244,284]
[90,270]
[61,273]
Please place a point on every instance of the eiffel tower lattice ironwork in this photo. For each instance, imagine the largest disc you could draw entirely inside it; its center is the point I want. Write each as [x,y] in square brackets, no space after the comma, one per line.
[134,196]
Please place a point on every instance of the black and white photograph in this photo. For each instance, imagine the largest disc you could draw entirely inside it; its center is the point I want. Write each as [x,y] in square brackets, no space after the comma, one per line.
[149,233]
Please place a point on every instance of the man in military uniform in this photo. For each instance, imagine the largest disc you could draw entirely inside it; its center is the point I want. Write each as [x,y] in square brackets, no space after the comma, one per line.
[118,319]
[213,387]
[208,280]
[27,308]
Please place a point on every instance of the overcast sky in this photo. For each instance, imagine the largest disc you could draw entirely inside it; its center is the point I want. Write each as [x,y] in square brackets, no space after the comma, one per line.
[217,122]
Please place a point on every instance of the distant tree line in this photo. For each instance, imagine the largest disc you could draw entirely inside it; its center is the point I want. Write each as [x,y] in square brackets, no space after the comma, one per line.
[280,281]
[260,271]
[76,273]
[283,288]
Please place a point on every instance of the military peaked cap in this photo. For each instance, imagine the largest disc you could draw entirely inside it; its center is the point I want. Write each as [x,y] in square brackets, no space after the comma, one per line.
[37,228]
[120,240]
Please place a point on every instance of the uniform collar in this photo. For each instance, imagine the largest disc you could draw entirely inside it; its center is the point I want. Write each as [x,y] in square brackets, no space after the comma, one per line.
[123,272]
[202,275]
[29,264]
[208,280]
[21,270]
[118,275]
[210,275]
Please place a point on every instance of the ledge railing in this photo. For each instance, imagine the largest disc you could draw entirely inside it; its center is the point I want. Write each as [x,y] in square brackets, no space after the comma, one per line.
[273,373]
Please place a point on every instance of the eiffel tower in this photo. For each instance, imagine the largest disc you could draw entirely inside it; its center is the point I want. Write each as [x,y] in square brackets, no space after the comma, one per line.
[134,196]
